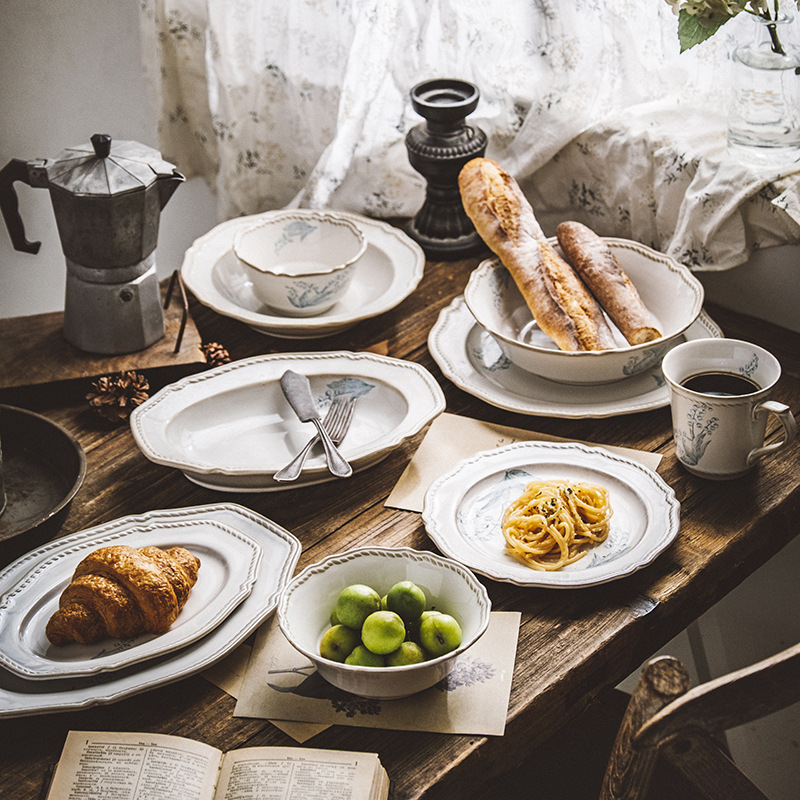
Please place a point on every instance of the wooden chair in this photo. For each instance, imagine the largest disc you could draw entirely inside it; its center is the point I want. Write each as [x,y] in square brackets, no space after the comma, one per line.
[665,740]
[666,719]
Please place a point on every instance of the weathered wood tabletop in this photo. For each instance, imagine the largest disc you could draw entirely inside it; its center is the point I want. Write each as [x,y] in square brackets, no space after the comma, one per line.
[572,643]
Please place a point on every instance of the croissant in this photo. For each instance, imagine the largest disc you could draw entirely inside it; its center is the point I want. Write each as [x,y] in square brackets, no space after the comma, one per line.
[121,592]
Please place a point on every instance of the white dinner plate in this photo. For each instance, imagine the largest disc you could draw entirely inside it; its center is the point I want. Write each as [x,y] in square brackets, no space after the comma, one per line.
[229,562]
[231,428]
[463,509]
[390,269]
[471,358]
[280,552]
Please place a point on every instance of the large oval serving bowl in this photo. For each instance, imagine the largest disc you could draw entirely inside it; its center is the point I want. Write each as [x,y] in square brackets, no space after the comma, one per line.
[232,429]
[668,289]
[305,606]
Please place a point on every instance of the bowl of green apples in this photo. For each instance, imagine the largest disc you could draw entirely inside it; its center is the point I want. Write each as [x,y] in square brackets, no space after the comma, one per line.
[384,623]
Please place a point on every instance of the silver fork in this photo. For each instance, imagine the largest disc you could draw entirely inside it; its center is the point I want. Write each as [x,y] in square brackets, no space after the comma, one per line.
[337,423]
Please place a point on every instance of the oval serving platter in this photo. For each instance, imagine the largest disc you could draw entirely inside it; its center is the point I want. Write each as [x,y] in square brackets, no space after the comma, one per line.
[463,509]
[231,428]
[229,563]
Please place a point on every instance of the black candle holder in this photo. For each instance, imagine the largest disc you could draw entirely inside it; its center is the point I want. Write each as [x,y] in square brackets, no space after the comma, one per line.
[438,150]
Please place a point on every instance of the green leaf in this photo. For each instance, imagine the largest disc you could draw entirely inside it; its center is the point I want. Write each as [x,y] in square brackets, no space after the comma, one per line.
[691,32]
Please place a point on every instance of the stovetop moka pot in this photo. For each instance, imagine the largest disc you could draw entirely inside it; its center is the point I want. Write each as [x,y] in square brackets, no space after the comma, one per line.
[107,198]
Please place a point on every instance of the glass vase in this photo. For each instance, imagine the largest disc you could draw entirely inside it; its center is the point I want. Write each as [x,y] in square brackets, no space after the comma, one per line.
[764,117]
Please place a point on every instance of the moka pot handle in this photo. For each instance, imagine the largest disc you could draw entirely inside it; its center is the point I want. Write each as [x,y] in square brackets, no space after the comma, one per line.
[15,170]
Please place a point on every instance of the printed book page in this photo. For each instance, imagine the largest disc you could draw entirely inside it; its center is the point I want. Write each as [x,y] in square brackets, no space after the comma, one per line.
[297,773]
[98,765]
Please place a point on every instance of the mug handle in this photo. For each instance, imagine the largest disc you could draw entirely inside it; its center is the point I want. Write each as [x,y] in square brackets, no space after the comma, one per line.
[786,419]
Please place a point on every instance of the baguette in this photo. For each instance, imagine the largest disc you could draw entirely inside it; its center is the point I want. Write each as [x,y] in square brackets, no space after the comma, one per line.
[601,272]
[561,304]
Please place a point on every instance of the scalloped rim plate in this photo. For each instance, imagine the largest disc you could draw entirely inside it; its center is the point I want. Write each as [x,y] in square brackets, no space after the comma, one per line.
[232,429]
[471,358]
[281,551]
[390,269]
[463,509]
[229,563]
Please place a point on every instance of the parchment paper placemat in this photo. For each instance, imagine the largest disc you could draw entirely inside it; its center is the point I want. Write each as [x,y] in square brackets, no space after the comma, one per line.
[281,684]
[452,438]
[228,675]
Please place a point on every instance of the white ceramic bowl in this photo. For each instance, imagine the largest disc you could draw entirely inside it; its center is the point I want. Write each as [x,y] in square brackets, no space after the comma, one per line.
[305,605]
[668,289]
[300,262]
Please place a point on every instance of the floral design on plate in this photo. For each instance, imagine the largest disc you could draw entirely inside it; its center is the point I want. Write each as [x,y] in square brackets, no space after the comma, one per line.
[464,507]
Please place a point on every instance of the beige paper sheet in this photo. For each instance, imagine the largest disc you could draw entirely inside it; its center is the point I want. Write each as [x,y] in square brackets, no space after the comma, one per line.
[228,675]
[280,683]
[452,438]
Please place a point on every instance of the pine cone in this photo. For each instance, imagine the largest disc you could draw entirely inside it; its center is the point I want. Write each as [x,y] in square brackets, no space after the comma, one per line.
[215,354]
[115,396]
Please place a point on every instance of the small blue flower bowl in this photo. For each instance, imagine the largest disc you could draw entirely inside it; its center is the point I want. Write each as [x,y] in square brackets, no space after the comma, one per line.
[300,262]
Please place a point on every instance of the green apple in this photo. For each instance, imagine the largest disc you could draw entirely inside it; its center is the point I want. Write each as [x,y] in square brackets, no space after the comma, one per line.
[383,631]
[361,657]
[407,653]
[338,642]
[439,634]
[413,627]
[355,603]
[406,599]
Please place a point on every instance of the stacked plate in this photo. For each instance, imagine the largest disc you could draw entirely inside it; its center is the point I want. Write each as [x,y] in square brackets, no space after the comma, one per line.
[472,359]
[488,344]
[246,560]
[388,271]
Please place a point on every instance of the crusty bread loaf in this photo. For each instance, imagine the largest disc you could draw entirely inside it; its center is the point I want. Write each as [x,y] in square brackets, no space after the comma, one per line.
[601,272]
[560,303]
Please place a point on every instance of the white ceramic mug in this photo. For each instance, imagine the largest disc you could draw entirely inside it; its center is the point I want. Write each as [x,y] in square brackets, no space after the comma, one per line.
[720,417]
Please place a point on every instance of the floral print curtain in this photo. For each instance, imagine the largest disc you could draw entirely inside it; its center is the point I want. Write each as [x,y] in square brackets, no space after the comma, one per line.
[305,102]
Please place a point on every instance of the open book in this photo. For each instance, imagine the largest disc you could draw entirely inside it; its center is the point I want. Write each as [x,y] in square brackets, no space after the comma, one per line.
[154,766]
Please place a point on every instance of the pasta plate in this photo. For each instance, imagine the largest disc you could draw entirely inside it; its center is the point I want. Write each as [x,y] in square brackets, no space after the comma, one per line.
[463,509]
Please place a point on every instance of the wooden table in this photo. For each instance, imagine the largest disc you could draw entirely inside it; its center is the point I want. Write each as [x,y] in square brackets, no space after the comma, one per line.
[572,644]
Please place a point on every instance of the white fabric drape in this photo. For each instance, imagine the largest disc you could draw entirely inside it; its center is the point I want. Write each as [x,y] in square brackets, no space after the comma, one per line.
[305,102]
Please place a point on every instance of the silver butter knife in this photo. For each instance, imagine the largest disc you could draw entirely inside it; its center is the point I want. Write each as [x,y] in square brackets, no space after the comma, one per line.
[298,393]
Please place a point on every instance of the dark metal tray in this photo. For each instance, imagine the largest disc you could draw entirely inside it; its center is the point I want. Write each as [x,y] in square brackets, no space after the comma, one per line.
[43,467]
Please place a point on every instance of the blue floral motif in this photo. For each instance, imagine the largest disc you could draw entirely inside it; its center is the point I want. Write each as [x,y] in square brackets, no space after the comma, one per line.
[691,443]
[481,521]
[610,549]
[297,230]
[748,369]
[466,672]
[303,294]
[489,355]
[118,646]
[354,387]
[643,361]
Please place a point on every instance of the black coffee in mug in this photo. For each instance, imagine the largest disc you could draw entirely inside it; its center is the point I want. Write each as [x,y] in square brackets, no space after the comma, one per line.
[720,384]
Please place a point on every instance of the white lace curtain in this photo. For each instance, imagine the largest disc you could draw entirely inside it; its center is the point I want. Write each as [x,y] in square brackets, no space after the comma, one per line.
[305,102]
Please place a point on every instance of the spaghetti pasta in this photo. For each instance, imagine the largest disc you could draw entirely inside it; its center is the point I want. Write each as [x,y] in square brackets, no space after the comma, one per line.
[553,523]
